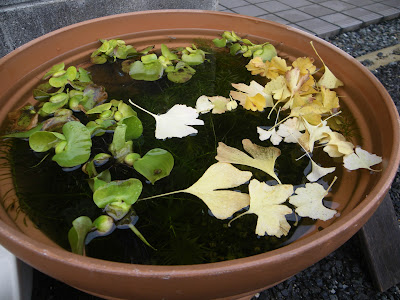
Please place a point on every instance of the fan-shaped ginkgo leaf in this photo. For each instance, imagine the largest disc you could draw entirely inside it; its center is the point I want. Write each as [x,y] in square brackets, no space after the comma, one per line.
[266,202]
[308,202]
[262,158]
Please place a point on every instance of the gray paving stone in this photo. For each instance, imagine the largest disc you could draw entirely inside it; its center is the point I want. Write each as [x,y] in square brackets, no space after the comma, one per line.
[337,5]
[316,10]
[273,6]
[255,1]
[249,10]
[233,3]
[274,18]
[359,2]
[294,15]
[295,3]
[386,11]
[345,22]
[220,7]
[301,28]
[320,27]
[367,16]
[12,2]
[394,3]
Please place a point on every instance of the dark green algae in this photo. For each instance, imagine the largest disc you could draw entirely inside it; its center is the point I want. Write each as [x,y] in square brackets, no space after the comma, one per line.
[179,226]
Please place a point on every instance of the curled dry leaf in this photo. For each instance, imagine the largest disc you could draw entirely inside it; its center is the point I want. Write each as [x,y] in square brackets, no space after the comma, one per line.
[263,158]
[361,159]
[327,80]
[337,145]
[308,202]
[316,133]
[265,202]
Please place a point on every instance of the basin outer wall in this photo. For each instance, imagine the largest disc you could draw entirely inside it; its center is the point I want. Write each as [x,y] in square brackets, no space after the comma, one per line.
[206,281]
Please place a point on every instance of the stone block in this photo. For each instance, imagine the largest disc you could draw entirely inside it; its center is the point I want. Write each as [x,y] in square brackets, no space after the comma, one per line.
[21,21]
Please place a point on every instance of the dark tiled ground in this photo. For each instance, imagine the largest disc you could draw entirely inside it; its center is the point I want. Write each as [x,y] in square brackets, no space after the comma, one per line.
[321,18]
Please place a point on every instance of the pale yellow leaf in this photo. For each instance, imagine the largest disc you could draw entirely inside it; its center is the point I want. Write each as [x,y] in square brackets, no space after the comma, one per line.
[265,202]
[308,202]
[361,159]
[210,188]
[263,158]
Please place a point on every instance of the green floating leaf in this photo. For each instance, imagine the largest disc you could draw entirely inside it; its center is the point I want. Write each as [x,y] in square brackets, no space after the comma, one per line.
[146,71]
[120,147]
[220,43]
[134,128]
[84,76]
[58,82]
[194,56]
[181,73]
[79,143]
[99,109]
[71,73]
[155,164]
[167,53]
[267,52]
[23,134]
[120,190]
[54,69]
[77,234]
[42,141]
[104,224]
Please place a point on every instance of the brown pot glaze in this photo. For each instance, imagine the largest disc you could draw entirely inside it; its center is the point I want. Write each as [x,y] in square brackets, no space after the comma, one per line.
[369,102]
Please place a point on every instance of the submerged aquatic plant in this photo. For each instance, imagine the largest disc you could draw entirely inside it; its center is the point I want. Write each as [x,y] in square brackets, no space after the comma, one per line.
[76,124]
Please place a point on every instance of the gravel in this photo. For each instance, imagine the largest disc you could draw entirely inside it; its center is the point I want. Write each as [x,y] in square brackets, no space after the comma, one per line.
[368,39]
[342,274]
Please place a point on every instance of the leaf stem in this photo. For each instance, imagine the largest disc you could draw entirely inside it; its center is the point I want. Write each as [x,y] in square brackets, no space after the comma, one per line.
[237,217]
[134,104]
[161,195]
[329,187]
[140,236]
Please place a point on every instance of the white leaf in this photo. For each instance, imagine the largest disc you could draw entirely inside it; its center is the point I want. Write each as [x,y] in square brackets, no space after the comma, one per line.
[290,130]
[308,202]
[174,123]
[269,134]
[318,172]
[361,159]
[203,105]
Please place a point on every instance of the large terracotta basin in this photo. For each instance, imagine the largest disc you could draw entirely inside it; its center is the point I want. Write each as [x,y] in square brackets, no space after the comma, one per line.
[368,101]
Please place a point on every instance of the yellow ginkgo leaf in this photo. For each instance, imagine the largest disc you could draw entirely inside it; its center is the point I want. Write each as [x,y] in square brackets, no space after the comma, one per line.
[265,202]
[305,65]
[219,103]
[318,172]
[252,96]
[277,66]
[316,132]
[263,158]
[361,159]
[212,187]
[278,89]
[328,99]
[308,202]
[257,66]
[209,188]
[337,145]
[327,80]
